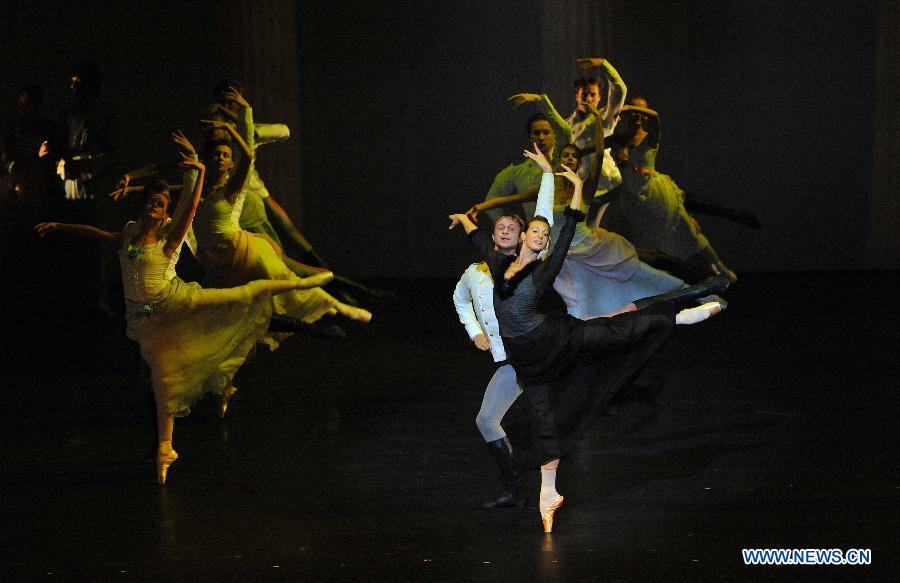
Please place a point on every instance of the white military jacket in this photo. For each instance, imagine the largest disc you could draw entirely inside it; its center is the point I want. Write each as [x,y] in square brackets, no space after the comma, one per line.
[474,301]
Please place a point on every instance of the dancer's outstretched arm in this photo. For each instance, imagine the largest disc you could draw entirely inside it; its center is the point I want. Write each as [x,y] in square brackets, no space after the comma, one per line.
[123,188]
[492,203]
[464,220]
[84,231]
[562,129]
[245,132]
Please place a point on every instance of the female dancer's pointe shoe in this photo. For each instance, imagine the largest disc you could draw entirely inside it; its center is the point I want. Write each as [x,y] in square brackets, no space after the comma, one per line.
[698,314]
[224,399]
[547,514]
[163,461]
[713,307]
[317,280]
[358,314]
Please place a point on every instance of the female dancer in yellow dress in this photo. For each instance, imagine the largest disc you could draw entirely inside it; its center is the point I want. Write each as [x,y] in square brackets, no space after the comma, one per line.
[193,339]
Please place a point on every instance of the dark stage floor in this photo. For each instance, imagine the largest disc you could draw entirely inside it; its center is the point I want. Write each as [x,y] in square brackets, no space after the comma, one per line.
[360,460]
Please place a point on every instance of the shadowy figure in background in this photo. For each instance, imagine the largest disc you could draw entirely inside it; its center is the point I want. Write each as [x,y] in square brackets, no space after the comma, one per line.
[85,160]
[31,175]
[29,188]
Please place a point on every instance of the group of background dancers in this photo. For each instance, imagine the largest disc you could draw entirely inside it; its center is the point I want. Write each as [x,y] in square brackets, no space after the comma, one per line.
[596,167]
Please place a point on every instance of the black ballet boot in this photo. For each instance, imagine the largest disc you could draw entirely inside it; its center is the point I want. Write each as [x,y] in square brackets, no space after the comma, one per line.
[710,286]
[513,495]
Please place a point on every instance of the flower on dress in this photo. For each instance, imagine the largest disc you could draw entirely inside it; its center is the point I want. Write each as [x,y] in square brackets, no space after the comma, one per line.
[135,251]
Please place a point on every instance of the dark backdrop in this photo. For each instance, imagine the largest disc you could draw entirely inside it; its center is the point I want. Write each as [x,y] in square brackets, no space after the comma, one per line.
[399,112]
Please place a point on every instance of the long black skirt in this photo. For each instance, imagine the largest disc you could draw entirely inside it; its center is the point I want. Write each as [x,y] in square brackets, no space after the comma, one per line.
[571,369]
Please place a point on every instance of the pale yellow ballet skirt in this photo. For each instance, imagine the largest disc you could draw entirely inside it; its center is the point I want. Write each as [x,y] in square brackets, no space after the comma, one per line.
[194,339]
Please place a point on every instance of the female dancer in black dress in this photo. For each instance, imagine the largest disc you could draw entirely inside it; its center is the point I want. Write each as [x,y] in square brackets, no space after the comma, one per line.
[569,368]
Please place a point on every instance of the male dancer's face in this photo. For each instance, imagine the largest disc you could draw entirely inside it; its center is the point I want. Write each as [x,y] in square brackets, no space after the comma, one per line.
[506,235]
[589,94]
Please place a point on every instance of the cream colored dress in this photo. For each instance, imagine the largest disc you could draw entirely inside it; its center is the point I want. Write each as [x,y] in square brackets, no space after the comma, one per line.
[193,339]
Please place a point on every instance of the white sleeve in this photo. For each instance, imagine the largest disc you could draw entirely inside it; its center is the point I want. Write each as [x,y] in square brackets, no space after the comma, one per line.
[615,96]
[544,205]
[266,133]
[462,301]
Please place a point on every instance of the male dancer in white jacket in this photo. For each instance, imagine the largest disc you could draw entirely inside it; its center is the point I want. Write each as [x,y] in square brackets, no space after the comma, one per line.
[474,301]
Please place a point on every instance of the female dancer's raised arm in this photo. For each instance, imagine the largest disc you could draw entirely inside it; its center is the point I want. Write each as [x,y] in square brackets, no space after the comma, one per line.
[547,272]
[184,214]
[238,180]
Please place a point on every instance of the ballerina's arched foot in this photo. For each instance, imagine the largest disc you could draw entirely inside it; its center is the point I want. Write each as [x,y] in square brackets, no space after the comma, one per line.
[317,280]
[694,315]
[548,512]
[358,314]
[163,461]
[224,400]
